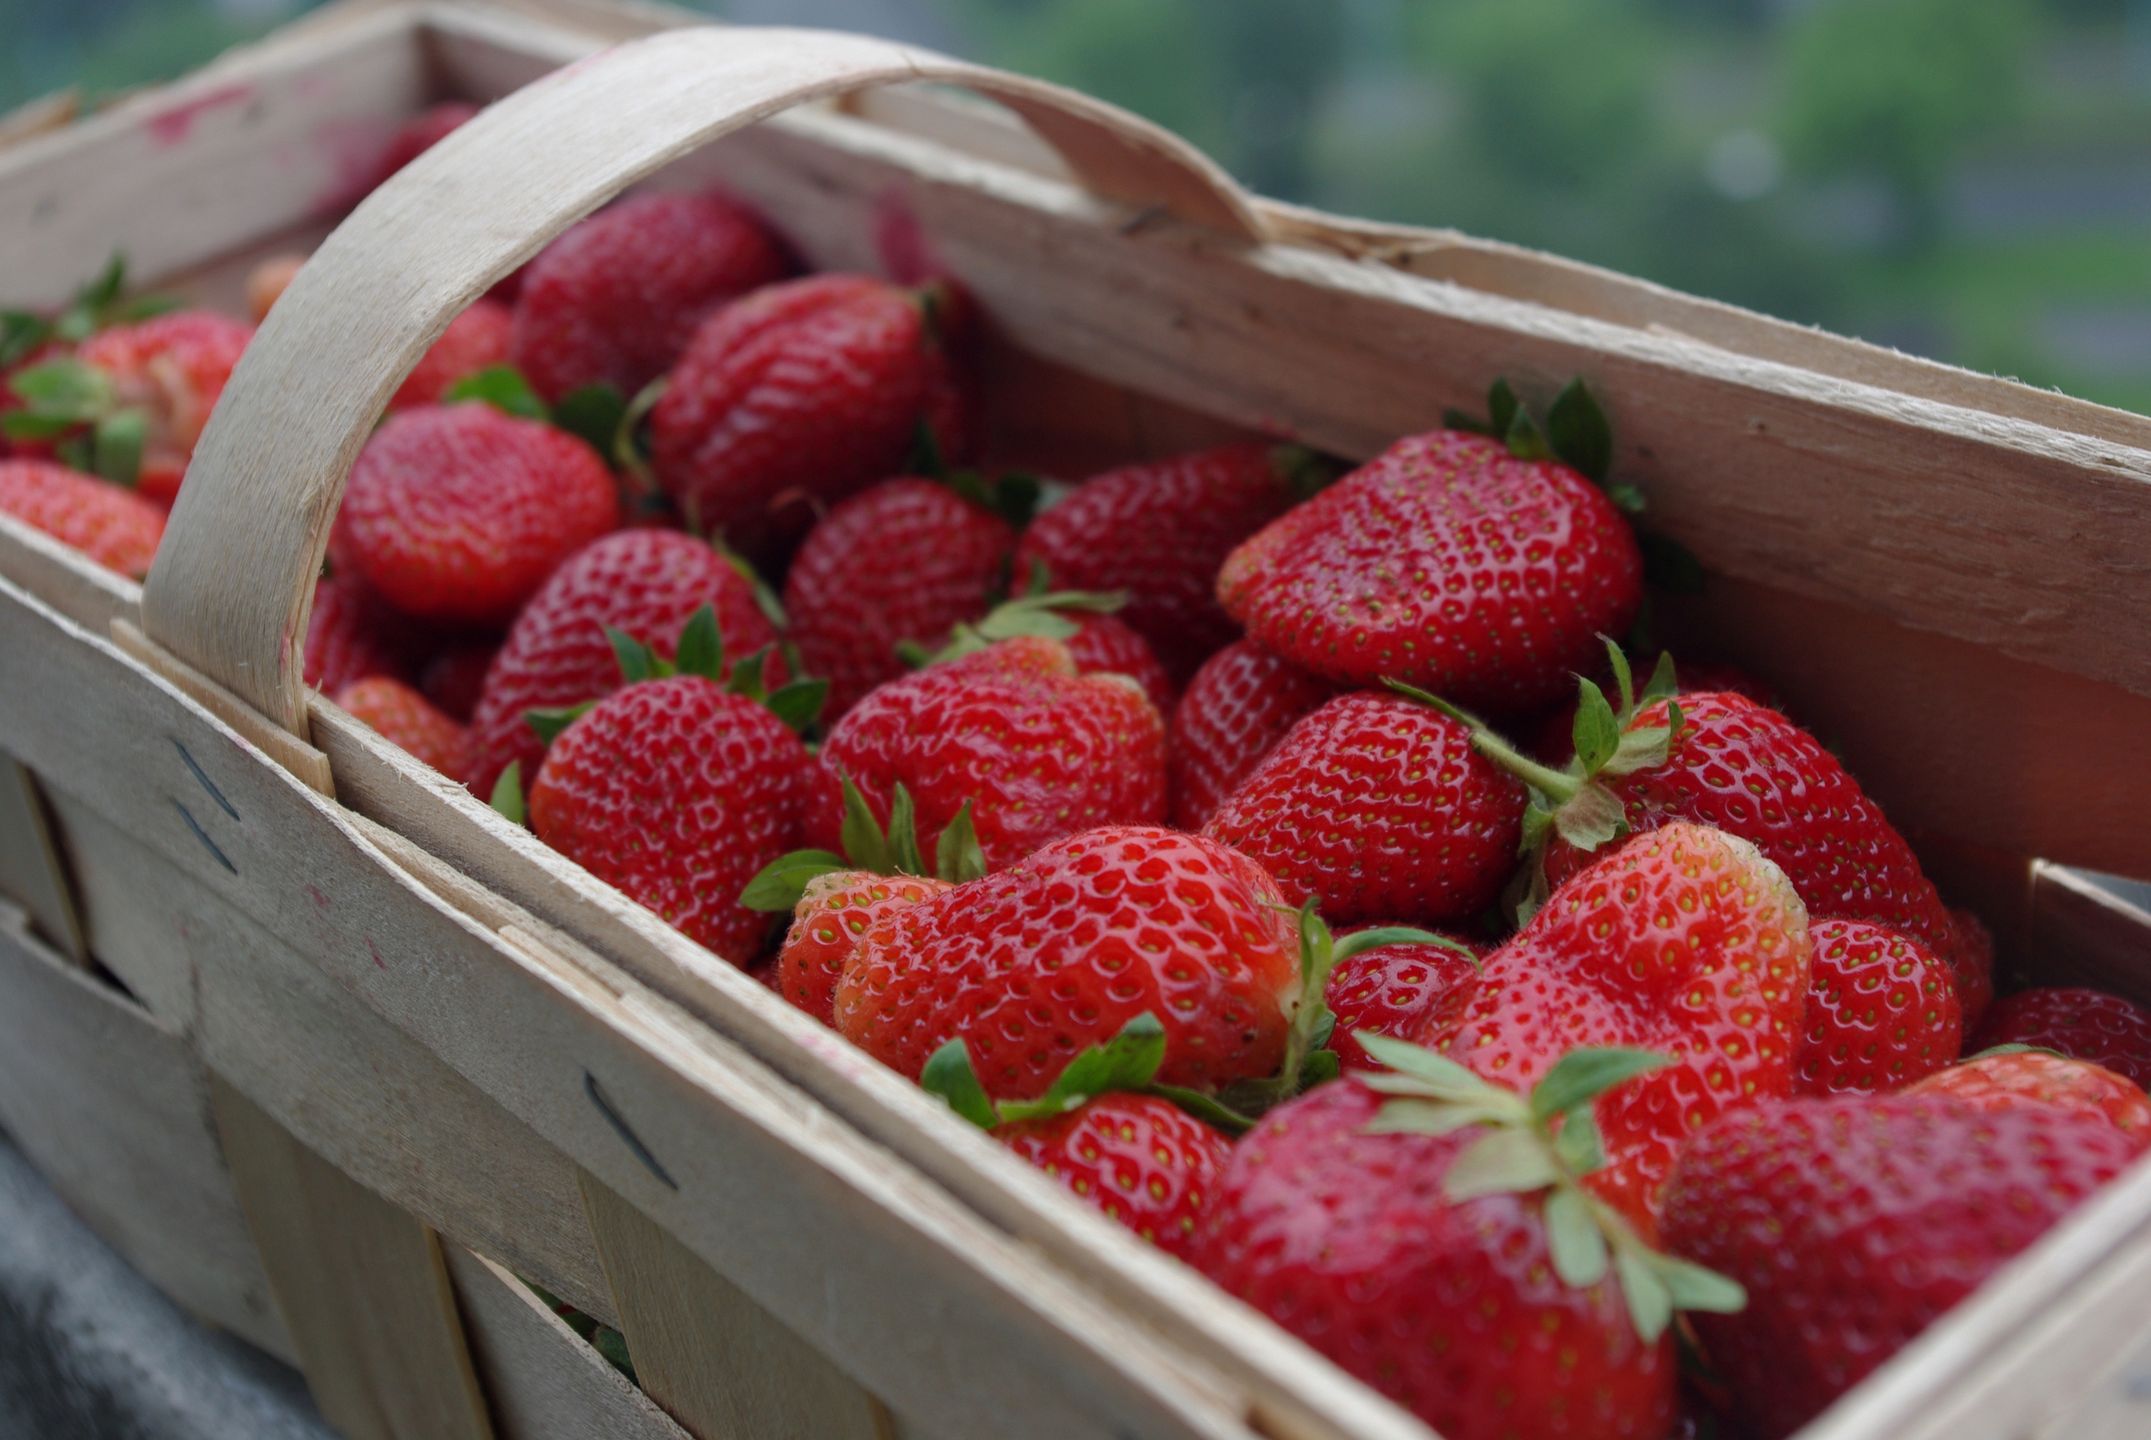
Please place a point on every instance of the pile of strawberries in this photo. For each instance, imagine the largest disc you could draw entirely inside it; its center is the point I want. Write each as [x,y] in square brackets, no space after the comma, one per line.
[1233,838]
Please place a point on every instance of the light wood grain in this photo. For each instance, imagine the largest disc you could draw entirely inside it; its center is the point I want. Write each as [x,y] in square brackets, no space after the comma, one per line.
[544,1381]
[2087,931]
[360,1284]
[349,1084]
[33,872]
[717,1362]
[113,1110]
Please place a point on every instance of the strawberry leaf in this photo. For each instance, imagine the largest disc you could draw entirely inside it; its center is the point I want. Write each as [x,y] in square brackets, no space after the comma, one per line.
[861,835]
[638,662]
[746,678]
[1502,408]
[701,648]
[508,793]
[1596,733]
[798,703]
[1436,1076]
[549,723]
[1581,1076]
[1207,1108]
[1624,679]
[1128,1061]
[1500,1162]
[116,446]
[1664,683]
[903,833]
[925,458]
[1524,438]
[1692,1287]
[1306,473]
[592,414]
[64,389]
[1670,565]
[1591,817]
[782,883]
[1650,1303]
[1578,1146]
[1574,1240]
[502,387]
[948,1073]
[1380,935]
[21,335]
[957,856]
[1578,431]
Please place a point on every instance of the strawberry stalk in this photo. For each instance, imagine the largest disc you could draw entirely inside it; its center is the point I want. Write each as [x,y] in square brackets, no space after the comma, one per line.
[1546,1142]
[868,845]
[1036,614]
[1129,1061]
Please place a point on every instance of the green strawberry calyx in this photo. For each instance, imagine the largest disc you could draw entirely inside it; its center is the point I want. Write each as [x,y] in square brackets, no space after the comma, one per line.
[1546,1142]
[1306,472]
[1038,612]
[1127,1062]
[1013,494]
[869,845]
[78,405]
[1573,801]
[700,652]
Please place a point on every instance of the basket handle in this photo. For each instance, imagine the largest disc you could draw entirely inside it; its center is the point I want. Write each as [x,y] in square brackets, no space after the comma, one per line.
[233,582]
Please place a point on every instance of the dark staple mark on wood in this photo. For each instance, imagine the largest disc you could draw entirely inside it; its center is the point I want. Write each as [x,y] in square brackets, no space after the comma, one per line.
[627,1137]
[203,836]
[203,776]
[1142,219]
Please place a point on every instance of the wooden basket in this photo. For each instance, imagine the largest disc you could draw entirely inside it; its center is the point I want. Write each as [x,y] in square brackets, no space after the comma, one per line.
[372,1052]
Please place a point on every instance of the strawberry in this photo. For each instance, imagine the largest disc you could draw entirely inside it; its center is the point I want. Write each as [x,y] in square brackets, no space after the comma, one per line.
[615,299]
[29,339]
[1379,806]
[268,280]
[1686,942]
[2083,1024]
[799,393]
[475,340]
[1972,961]
[1881,1011]
[1441,1248]
[835,910]
[1036,750]
[118,530]
[454,677]
[1720,759]
[644,583]
[1159,530]
[1854,1222]
[459,513]
[1032,964]
[421,133]
[1139,1159]
[678,789]
[1104,645]
[134,398]
[1239,705]
[2003,1078]
[351,634]
[403,715]
[1447,563]
[1393,990]
[904,561]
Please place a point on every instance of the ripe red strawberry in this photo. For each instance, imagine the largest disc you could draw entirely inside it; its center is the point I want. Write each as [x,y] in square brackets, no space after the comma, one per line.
[1139,1160]
[1451,1304]
[118,530]
[801,392]
[615,300]
[1394,990]
[677,792]
[475,340]
[1973,963]
[2005,1079]
[403,715]
[1855,1222]
[1103,645]
[2083,1024]
[1378,806]
[1158,531]
[644,583]
[153,382]
[1447,563]
[834,912]
[1685,942]
[1033,963]
[454,677]
[1881,1011]
[268,280]
[458,512]
[1239,705]
[1746,769]
[1038,751]
[904,561]
[350,635]
[421,133]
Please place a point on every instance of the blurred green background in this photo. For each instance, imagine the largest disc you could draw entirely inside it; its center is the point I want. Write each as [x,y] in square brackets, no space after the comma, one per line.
[1968,179]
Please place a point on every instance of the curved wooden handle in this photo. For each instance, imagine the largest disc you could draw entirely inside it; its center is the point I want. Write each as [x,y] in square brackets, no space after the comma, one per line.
[234,578]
